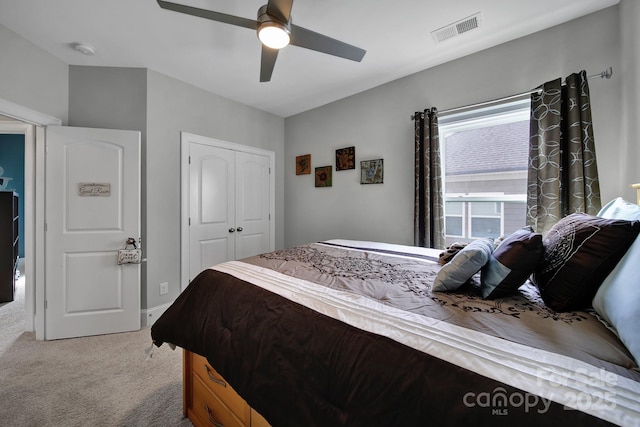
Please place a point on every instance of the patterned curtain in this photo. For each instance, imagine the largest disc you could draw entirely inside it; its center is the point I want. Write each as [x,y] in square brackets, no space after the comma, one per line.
[429,204]
[563,175]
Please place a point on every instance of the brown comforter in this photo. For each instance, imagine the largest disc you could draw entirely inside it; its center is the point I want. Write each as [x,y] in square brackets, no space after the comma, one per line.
[300,367]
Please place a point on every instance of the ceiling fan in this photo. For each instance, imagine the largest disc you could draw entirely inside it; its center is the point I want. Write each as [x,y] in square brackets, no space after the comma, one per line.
[275,31]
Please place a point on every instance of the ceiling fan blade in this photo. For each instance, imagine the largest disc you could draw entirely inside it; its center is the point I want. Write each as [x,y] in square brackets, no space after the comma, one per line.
[209,14]
[267,63]
[280,9]
[315,41]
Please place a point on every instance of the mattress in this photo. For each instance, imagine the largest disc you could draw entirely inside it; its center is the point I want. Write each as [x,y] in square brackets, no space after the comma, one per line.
[350,333]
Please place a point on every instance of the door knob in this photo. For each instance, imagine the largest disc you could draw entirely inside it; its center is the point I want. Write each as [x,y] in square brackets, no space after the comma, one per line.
[239,228]
[231,230]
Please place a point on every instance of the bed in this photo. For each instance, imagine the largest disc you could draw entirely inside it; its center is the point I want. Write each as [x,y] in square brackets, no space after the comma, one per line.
[352,333]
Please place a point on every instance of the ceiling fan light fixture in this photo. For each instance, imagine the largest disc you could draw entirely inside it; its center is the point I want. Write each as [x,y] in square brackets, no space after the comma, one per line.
[272,32]
[274,35]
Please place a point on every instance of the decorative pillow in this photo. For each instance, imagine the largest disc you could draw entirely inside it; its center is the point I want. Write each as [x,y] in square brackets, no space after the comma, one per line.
[511,263]
[618,298]
[450,252]
[463,266]
[619,208]
[580,251]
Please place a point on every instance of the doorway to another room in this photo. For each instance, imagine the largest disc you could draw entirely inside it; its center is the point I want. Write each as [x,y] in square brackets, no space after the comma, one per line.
[16,119]
[12,180]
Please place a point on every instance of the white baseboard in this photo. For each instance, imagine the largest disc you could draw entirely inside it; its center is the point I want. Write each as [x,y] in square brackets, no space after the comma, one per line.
[148,316]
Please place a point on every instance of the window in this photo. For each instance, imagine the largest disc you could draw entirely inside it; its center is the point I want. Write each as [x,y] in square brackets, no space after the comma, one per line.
[485,160]
[454,222]
[486,219]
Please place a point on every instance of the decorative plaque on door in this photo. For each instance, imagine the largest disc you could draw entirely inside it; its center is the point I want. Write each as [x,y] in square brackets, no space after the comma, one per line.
[94,189]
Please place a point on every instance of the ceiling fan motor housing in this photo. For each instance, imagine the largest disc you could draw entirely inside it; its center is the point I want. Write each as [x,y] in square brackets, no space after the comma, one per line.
[278,28]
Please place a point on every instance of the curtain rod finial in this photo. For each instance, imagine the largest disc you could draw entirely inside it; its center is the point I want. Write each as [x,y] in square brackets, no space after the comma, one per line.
[606,74]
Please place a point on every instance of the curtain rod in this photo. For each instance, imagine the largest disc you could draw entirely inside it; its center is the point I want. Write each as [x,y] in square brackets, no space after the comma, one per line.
[606,74]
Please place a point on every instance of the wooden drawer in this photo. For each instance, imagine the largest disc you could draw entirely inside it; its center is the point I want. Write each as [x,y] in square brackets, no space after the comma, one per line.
[219,387]
[210,401]
[209,409]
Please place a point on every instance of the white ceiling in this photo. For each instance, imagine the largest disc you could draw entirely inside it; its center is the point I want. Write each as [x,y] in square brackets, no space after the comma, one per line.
[225,59]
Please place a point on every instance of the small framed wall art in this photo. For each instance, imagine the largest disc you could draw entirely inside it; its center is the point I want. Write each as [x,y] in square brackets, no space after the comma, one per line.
[303,164]
[323,176]
[371,171]
[346,158]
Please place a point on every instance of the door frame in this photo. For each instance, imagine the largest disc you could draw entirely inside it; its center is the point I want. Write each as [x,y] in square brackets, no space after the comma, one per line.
[187,138]
[32,125]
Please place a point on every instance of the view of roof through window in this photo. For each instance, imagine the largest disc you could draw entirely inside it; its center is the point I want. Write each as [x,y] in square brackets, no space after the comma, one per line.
[485,162]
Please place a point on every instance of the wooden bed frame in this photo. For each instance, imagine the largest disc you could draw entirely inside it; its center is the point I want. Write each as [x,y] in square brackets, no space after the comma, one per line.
[208,400]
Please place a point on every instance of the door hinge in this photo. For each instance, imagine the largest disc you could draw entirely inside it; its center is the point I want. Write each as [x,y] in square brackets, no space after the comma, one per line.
[45,304]
[45,227]
[189,159]
[189,221]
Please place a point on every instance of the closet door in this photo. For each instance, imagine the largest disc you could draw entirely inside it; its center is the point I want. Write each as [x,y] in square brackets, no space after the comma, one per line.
[211,207]
[230,200]
[252,200]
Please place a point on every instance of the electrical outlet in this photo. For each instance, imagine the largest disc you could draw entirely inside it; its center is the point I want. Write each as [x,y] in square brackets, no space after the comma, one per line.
[164,288]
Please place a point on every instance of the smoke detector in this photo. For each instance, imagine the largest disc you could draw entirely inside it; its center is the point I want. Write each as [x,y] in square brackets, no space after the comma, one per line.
[85,48]
[462,26]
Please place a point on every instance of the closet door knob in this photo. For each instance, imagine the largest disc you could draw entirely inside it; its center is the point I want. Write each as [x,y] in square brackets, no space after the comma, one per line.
[231,230]
[239,228]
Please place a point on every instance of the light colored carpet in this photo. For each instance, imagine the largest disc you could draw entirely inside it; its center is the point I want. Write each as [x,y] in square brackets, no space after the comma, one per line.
[94,381]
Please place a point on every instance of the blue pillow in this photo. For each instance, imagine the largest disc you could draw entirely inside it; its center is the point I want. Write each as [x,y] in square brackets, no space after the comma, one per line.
[463,265]
[620,209]
[618,298]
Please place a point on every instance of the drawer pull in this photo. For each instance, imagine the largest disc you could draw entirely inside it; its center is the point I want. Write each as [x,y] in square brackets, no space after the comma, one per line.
[214,379]
[211,420]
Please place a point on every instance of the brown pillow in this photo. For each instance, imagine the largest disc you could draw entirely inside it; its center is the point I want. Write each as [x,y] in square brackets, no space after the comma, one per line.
[580,251]
[511,263]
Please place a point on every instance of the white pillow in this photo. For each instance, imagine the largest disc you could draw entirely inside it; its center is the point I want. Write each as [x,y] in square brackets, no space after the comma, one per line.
[618,298]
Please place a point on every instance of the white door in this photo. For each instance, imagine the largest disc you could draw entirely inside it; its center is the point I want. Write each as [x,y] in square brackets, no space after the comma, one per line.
[229,205]
[92,206]
[252,204]
[211,207]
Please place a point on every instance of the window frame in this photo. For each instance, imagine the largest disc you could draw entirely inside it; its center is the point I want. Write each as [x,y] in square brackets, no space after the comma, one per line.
[492,113]
[500,217]
[462,216]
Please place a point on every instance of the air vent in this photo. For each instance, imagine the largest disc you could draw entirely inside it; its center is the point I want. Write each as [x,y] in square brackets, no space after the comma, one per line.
[457,28]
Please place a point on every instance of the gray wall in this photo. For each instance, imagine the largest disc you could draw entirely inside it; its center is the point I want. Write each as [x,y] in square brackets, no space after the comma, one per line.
[377,122]
[108,97]
[628,167]
[174,106]
[113,98]
[161,107]
[158,106]
[32,77]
